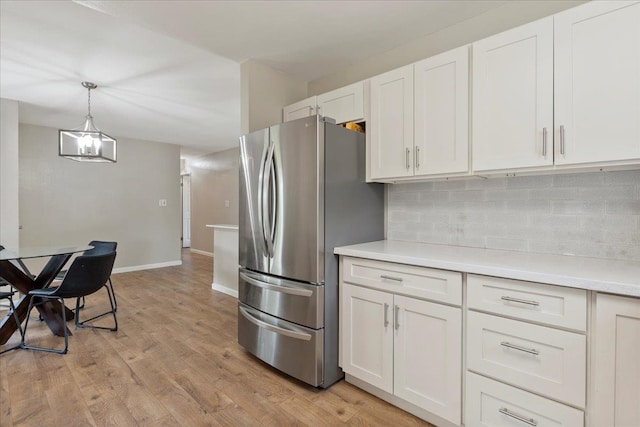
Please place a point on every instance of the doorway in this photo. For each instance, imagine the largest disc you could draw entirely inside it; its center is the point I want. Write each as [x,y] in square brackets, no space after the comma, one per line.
[185,190]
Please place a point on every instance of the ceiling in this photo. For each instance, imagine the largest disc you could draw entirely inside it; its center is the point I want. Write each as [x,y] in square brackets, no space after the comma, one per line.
[169,71]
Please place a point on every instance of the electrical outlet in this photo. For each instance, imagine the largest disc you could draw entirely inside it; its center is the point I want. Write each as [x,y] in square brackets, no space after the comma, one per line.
[162,202]
[226,203]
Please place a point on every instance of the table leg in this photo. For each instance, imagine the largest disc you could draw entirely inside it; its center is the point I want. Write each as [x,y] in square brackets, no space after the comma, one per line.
[50,312]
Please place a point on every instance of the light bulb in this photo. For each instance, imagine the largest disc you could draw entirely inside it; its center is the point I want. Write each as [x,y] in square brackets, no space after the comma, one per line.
[85,143]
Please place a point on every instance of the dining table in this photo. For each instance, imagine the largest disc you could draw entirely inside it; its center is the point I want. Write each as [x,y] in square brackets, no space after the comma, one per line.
[14,270]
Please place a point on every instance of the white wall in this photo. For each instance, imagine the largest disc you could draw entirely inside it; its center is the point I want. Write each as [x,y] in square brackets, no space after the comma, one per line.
[586,214]
[510,15]
[214,180]
[9,220]
[68,202]
[264,92]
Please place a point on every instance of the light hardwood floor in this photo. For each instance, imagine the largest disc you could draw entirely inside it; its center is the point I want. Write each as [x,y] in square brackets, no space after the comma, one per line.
[173,362]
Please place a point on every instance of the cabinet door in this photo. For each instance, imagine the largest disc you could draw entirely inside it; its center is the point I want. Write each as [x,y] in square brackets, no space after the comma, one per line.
[513,98]
[616,364]
[597,83]
[392,124]
[367,336]
[427,356]
[442,113]
[304,108]
[343,105]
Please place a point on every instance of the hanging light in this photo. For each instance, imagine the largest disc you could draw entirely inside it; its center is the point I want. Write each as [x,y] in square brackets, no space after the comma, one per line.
[87,143]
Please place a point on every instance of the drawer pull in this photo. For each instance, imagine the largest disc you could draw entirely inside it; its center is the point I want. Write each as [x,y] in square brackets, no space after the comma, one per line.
[517,347]
[518,417]
[386,314]
[521,301]
[396,279]
[397,317]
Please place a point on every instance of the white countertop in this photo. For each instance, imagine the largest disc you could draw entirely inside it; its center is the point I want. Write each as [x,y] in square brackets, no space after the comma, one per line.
[223,226]
[613,276]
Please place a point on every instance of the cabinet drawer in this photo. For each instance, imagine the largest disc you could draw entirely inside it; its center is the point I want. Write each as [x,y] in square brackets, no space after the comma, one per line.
[436,285]
[540,359]
[491,403]
[548,304]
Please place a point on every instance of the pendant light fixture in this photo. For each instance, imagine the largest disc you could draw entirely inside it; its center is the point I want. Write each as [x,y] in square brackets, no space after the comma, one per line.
[87,143]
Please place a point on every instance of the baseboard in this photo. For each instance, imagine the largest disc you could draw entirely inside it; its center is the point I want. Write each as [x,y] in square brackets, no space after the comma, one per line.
[146,266]
[224,290]
[198,251]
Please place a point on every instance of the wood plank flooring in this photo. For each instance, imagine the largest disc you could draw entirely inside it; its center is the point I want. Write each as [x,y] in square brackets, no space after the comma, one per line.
[174,361]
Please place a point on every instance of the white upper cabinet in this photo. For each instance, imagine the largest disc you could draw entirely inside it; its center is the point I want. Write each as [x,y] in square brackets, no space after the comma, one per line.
[304,108]
[391,127]
[343,105]
[513,98]
[442,113]
[597,83]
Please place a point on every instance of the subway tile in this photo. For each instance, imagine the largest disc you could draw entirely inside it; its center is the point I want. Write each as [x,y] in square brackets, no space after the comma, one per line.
[507,244]
[623,177]
[506,195]
[467,195]
[554,221]
[592,179]
[462,217]
[569,207]
[610,192]
[402,235]
[458,184]
[485,206]
[553,194]
[623,207]
[403,196]
[505,219]
[528,207]
[435,196]
[438,238]
[536,181]
[406,216]
[485,184]
[631,237]
[474,242]
[434,217]
[592,223]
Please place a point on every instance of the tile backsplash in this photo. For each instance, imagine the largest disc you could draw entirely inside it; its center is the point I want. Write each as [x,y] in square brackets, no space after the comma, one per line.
[586,214]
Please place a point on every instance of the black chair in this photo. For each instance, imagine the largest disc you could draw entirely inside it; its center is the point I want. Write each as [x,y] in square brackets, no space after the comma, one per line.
[99,247]
[8,295]
[87,275]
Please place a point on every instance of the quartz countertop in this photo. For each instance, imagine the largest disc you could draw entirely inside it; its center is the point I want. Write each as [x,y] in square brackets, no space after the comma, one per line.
[612,276]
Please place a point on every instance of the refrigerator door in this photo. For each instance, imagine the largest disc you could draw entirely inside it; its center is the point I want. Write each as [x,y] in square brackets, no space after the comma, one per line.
[254,153]
[298,217]
[294,301]
[292,348]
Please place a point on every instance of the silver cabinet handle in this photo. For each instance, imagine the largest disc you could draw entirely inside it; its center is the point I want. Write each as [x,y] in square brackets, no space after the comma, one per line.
[517,347]
[417,157]
[562,139]
[277,288]
[397,317]
[407,152]
[544,142]
[386,314]
[520,301]
[272,328]
[518,417]
[396,279]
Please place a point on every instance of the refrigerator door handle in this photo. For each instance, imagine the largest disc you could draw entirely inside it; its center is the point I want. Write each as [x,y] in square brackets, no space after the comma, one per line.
[274,204]
[277,288]
[264,199]
[272,328]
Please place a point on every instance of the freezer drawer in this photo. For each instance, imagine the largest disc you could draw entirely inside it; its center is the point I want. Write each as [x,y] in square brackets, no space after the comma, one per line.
[296,302]
[293,349]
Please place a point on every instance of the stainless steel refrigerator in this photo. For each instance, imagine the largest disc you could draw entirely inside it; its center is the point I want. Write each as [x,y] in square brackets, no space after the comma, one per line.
[302,193]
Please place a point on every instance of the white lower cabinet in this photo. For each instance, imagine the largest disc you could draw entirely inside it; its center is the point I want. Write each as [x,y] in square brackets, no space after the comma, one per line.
[404,346]
[616,362]
[491,403]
